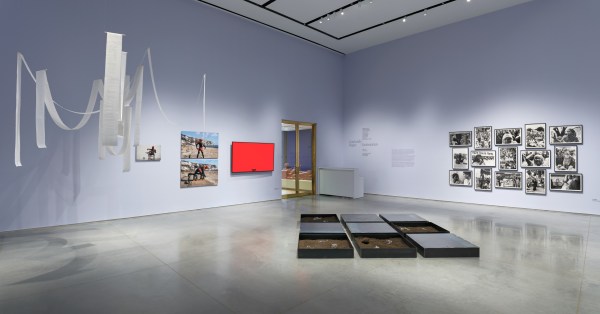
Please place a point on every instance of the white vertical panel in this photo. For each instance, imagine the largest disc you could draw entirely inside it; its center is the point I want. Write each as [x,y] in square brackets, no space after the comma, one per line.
[112,89]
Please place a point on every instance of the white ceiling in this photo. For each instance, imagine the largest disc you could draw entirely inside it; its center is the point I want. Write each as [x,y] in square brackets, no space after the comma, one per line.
[364,23]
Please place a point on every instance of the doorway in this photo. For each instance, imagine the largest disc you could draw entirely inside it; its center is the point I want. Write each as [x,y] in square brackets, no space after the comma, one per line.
[299,158]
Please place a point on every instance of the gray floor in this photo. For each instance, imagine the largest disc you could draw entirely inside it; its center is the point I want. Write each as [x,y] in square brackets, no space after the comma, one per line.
[243,259]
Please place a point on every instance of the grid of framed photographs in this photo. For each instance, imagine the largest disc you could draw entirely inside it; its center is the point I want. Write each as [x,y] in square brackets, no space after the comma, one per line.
[535,158]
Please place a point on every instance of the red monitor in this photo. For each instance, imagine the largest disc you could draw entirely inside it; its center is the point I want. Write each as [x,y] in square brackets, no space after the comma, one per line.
[252,157]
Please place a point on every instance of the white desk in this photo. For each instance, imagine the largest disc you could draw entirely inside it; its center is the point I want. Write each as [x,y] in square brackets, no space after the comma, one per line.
[340,182]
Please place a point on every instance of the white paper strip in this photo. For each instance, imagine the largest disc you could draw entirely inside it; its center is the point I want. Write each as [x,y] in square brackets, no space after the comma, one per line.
[18,114]
[112,89]
[154,86]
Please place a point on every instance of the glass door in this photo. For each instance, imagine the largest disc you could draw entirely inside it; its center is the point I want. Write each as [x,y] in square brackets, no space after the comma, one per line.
[298,158]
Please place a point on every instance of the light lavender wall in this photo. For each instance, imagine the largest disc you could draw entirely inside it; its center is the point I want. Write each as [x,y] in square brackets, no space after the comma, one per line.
[532,63]
[256,77]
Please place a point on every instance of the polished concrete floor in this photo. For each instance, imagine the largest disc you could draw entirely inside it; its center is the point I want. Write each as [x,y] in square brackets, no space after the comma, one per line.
[242,259]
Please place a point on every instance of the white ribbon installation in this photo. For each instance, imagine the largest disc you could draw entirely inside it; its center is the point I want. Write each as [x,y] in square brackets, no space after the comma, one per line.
[115,114]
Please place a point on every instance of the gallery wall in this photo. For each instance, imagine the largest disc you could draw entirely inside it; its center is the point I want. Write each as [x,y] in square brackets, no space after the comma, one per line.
[532,63]
[256,77]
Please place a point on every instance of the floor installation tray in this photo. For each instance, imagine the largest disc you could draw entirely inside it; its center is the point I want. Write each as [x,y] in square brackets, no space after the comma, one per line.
[402,218]
[361,218]
[418,227]
[442,245]
[321,228]
[383,246]
[324,246]
[370,227]
[319,218]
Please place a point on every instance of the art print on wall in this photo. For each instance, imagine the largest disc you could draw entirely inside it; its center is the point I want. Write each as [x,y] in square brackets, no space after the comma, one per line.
[461,139]
[535,181]
[199,145]
[535,158]
[565,158]
[198,172]
[147,153]
[483,137]
[483,179]
[566,182]
[566,134]
[461,178]
[508,180]
[506,137]
[535,135]
[483,158]
[508,158]
[460,158]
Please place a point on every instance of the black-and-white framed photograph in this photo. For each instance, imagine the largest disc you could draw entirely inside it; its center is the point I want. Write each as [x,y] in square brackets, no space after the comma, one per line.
[509,180]
[507,137]
[508,158]
[572,182]
[566,134]
[565,158]
[483,179]
[535,181]
[483,158]
[535,135]
[461,139]
[461,178]
[535,158]
[460,158]
[483,137]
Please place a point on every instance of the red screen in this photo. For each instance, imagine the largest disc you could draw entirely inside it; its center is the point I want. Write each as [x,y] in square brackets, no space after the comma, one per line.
[252,157]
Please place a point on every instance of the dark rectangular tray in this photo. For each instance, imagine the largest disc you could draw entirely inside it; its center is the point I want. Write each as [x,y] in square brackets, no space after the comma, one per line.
[410,252]
[402,218]
[325,253]
[321,228]
[430,225]
[370,228]
[325,218]
[442,245]
[347,218]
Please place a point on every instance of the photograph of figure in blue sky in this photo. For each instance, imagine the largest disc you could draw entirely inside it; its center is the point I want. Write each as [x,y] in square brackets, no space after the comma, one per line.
[199,145]
[199,172]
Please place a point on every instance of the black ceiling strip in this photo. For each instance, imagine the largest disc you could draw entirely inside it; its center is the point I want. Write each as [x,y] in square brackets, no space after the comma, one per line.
[265,24]
[268,2]
[398,18]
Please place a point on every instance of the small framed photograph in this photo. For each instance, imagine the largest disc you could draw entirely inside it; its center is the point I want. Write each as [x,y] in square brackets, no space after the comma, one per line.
[483,158]
[483,179]
[572,182]
[461,139]
[483,137]
[535,158]
[535,135]
[460,158]
[508,137]
[566,134]
[147,153]
[508,158]
[509,180]
[461,178]
[535,181]
[565,158]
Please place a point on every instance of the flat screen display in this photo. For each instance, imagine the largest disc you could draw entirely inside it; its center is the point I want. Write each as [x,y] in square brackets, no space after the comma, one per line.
[252,157]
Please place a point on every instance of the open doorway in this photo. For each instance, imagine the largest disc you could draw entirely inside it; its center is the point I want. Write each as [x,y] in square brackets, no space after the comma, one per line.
[299,158]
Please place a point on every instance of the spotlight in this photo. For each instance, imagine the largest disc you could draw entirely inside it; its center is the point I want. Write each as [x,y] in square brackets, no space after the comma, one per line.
[404,20]
[342,12]
[425,13]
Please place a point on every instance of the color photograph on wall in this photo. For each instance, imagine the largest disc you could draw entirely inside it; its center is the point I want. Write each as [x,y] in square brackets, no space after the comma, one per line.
[510,136]
[483,179]
[199,145]
[535,135]
[507,159]
[147,153]
[461,178]
[461,139]
[460,158]
[535,159]
[565,158]
[509,180]
[199,172]
[566,182]
[483,137]
[483,158]
[566,134]
[535,181]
